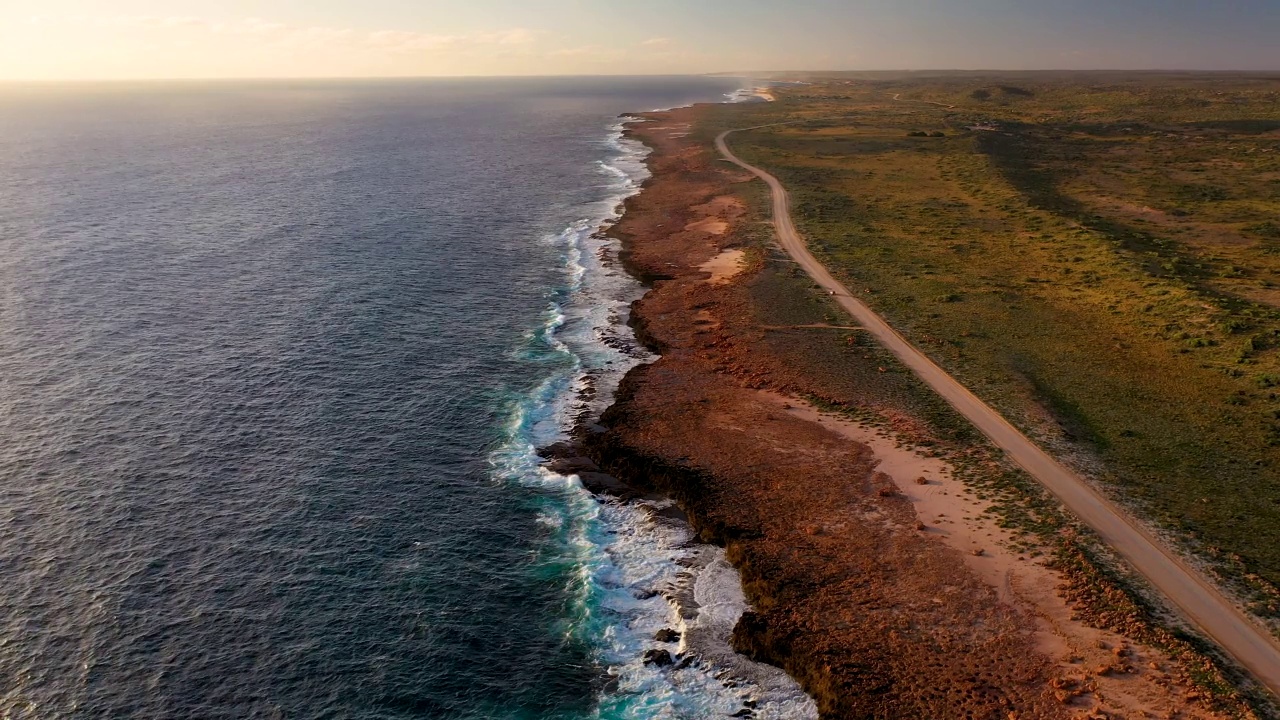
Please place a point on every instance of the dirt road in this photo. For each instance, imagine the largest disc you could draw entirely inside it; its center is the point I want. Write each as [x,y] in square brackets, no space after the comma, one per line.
[1249,643]
[898,97]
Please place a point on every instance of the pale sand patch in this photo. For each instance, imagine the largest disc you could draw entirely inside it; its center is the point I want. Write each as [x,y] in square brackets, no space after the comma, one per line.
[719,205]
[954,515]
[681,130]
[723,266]
[712,225]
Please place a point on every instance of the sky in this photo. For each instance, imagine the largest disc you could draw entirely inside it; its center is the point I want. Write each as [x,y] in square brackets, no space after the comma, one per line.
[148,39]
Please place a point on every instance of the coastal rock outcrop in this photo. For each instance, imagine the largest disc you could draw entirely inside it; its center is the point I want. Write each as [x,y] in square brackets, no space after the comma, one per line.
[661,658]
[667,635]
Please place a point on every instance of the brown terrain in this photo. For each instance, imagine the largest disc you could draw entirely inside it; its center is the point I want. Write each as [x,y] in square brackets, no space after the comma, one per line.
[1215,614]
[876,576]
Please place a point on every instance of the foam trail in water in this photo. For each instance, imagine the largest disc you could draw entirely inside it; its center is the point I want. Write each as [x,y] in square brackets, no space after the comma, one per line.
[638,571]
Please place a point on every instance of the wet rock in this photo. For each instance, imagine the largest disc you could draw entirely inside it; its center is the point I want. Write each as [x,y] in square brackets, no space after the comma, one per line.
[563,449]
[599,483]
[672,512]
[667,635]
[567,458]
[661,658]
[572,465]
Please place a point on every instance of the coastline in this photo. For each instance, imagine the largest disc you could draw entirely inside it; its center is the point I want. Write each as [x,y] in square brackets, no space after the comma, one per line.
[872,613]
[658,605]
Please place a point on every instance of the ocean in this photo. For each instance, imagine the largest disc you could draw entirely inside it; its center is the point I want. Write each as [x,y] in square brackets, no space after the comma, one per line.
[274,361]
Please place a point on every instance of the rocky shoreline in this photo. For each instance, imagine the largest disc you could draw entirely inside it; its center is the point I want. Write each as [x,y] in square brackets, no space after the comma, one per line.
[876,610]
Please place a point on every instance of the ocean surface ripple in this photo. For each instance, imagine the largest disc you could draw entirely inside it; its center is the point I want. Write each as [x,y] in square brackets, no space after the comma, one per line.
[273,361]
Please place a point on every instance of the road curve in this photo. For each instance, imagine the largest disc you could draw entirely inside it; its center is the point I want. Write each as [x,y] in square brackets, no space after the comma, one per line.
[898,97]
[1249,643]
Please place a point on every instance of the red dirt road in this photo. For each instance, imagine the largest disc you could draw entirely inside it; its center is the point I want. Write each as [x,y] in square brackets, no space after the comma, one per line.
[1249,643]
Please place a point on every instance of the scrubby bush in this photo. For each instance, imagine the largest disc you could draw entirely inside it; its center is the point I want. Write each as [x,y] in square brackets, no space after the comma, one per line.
[1266,229]
[1013,90]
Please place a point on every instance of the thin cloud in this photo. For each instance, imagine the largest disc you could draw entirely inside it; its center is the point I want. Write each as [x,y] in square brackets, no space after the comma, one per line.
[575,51]
[516,36]
[277,33]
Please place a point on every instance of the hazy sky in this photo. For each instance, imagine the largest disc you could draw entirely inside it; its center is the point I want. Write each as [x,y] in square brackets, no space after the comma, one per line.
[89,39]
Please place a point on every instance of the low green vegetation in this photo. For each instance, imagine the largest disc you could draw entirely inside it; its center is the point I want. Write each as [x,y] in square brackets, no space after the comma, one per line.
[848,373]
[1095,255]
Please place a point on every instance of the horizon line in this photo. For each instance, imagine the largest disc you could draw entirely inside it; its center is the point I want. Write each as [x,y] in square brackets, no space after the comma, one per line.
[718,73]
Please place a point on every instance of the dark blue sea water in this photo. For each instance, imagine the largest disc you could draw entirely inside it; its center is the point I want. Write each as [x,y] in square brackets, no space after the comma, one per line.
[273,361]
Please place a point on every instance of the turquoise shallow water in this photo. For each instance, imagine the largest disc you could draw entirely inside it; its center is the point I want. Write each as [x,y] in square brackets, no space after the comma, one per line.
[274,359]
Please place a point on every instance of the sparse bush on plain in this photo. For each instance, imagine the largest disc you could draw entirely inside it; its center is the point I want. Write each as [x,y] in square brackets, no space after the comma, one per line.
[1146,216]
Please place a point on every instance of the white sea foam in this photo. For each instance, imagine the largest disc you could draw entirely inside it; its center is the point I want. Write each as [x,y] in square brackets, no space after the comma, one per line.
[638,571]
[750,93]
